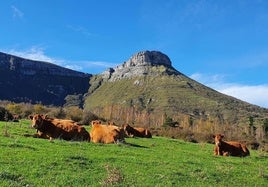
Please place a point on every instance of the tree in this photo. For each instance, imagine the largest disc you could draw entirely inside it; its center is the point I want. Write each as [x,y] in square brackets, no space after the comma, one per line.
[74,100]
[14,108]
[74,113]
[252,128]
[265,125]
[39,109]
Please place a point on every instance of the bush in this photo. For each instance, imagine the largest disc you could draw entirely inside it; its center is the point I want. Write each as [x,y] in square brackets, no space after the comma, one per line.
[88,117]
[5,115]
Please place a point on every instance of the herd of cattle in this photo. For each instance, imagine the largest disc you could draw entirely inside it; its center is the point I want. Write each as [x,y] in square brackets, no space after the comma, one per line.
[51,128]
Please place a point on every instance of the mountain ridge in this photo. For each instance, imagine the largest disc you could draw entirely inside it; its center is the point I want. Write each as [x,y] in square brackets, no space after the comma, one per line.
[24,80]
[32,67]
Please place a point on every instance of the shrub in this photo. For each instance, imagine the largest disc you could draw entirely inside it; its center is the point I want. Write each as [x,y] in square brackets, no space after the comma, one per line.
[73,112]
[5,115]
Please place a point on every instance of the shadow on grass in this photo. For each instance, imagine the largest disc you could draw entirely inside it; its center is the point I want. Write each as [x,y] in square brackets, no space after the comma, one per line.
[132,145]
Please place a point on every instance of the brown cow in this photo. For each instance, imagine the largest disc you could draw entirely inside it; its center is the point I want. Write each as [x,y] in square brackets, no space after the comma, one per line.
[58,128]
[105,133]
[229,148]
[136,131]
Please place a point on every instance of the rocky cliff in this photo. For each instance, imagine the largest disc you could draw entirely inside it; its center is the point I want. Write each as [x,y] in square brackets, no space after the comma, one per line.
[142,63]
[24,80]
[31,67]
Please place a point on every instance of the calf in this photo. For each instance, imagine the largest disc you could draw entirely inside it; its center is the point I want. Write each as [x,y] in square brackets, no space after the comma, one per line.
[229,148]
[105,133]
[58,128]
[136,131]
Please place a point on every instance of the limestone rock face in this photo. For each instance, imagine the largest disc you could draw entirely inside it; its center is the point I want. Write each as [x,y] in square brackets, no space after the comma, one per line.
[148,58]
[31,67]
[24,80]
[139,64]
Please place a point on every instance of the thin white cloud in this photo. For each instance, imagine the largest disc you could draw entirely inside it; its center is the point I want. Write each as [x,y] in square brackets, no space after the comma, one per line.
[38,53]
[254,94]
[74,67]
[215,78]
[102,64]
[17,13]
[35,53]
[81,30]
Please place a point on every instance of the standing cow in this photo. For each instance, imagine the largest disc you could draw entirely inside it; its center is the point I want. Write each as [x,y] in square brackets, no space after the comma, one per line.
[58,128]
[229,148]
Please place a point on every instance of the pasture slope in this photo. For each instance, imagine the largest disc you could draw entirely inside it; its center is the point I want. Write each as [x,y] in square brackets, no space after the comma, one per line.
[27,161]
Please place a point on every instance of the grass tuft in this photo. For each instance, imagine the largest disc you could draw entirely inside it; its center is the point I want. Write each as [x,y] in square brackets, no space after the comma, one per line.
[113,176]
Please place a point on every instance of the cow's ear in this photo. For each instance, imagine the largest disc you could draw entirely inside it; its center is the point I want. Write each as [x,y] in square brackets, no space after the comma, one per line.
[30,117]
[222,136]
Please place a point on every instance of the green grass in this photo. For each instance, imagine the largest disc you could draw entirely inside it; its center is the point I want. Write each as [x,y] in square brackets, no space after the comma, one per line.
[27,161]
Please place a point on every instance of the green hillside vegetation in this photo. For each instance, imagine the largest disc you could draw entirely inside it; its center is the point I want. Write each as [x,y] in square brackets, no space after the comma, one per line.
[27,161]
[145,99]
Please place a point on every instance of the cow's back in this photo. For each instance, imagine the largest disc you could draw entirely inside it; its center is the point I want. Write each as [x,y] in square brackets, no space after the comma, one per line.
[232,148]
[237,149]
[67,130]
[104,134]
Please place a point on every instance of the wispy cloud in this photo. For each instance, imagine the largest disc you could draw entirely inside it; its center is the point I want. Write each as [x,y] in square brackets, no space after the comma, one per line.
[81,30]
[34,53]
[17,13]
[254,94]
[38,53]
[102,64]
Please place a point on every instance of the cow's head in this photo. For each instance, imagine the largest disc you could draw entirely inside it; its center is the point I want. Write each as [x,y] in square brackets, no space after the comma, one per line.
[125,127]
[95,122]
[218,139]
[37,120]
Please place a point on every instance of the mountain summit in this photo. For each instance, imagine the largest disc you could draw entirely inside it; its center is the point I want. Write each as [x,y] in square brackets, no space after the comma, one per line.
[141,63]
[146,88]
[148,57]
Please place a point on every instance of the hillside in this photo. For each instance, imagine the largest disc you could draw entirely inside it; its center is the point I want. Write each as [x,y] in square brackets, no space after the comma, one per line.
[146,88]
[23,80]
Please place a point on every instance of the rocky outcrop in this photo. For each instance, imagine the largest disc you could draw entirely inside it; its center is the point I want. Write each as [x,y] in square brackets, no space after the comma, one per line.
[141,63]
[31,67]
[24,80]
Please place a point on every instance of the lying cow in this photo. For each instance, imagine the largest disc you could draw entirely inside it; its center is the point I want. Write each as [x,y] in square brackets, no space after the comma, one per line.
[230,148]
[105,133]
[58,128]
[136,131]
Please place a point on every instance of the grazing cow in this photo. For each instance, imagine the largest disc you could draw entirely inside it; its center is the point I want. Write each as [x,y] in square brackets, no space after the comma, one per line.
[58,128]
[136,131]
[229,148]
[105,133]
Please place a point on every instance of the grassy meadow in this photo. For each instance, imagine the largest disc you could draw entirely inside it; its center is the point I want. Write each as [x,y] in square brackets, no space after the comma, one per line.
[27,161]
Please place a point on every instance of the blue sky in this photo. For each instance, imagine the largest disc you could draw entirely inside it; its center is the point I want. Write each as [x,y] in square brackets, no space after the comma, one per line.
[220,43]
